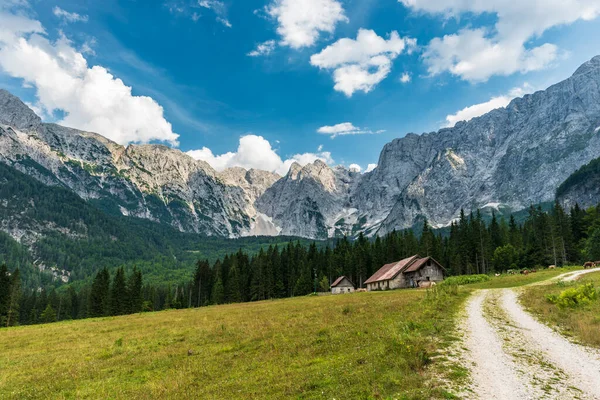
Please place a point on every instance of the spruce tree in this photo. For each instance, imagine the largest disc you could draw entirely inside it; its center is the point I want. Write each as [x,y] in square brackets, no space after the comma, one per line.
[134,291]
[14,301]
[98,305]
[118,294]
[48,315]
[5,291]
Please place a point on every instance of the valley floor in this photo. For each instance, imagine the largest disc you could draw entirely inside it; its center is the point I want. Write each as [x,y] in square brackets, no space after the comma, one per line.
[511,355]
[355,346]
[351,346]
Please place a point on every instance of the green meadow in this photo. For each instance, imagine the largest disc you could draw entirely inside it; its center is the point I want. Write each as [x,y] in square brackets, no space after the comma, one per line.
[362,345]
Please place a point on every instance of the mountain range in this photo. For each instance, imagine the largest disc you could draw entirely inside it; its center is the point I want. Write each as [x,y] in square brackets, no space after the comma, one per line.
[509,158]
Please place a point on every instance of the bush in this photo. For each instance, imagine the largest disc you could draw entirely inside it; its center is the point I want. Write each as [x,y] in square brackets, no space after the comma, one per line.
[575,296]
[465,279]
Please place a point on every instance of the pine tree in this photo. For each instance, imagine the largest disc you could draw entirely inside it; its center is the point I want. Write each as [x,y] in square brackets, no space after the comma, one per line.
[218,291]
[48,315]
[134,290]
[234,294]
[118,294]
[5,291]
[14,301]
[99,295]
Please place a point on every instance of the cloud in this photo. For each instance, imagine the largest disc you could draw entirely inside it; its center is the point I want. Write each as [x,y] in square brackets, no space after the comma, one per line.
[256,152]
[370,167]
[91,98]
[477,54]
[345,128]
[69,16]
[405,78]
[301,22]
[359,65]
[354,168]
[468,113]
[218,7]
[263,49]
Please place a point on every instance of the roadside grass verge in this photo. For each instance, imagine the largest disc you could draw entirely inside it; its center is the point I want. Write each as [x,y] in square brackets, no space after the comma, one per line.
[580,322]
[363,345]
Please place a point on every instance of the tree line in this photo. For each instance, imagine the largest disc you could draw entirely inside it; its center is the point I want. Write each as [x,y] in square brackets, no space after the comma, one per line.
[106,296]
[470,245]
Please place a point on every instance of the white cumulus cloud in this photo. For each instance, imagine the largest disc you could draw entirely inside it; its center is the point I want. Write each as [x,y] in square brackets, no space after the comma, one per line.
[360,64]
[263,49]
[355,168]
[91,97]
[476,110]
[300,22]
[405,78]
[345,128]
[475,54]
[370,167]
[256,152]
[69,16]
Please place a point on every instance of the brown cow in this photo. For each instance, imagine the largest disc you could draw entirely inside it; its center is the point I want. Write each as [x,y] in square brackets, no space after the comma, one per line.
[589,264]
[552,267]
[525,272]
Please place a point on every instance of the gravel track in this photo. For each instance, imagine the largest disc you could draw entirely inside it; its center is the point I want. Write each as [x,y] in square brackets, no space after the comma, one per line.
[511,355]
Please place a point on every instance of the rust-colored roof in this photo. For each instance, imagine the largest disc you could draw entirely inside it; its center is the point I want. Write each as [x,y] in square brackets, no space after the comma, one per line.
[389,271]
[417,265]
[339,280]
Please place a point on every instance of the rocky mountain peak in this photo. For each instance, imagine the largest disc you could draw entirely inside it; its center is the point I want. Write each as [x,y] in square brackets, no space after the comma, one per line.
[588,66]
[15,113]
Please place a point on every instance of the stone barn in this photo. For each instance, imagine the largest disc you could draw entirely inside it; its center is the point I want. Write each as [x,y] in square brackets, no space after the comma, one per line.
[406,273]
[342,285]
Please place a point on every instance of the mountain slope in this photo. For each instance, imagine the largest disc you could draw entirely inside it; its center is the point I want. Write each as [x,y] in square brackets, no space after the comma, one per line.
[147,181]
[513,156]
[583,187]
[509,158]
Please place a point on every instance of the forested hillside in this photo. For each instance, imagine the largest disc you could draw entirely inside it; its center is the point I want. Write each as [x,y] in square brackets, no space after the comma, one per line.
[56,228]
[472,246]
[583,187]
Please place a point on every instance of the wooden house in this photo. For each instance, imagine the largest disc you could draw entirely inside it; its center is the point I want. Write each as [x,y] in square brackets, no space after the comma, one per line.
[407,273]
[342,285]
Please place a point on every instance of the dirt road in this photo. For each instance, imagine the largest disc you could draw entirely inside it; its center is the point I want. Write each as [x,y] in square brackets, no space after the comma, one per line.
[513,356]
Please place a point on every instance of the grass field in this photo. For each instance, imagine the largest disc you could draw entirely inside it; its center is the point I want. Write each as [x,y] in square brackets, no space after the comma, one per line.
[507,281]
[362,345]
[583,323]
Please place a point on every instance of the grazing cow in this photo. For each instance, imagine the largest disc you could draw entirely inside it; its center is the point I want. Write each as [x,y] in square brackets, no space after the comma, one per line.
[496,275]
[511,272]
[552,267]
[525,272]
[589,264]
[361,290]
[426,284]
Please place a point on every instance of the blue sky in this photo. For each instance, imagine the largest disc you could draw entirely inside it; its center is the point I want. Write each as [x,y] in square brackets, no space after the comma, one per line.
[192,58]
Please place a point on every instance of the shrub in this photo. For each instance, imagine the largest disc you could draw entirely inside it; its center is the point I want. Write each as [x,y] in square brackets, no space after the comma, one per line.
[465,279]
[575,296]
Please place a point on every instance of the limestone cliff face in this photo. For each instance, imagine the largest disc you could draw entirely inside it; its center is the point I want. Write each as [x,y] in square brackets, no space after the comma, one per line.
[513,156]
[147,181]
[311,200]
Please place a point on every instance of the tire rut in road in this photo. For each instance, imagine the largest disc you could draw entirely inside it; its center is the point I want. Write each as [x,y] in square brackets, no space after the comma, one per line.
[581,364]
[493,372]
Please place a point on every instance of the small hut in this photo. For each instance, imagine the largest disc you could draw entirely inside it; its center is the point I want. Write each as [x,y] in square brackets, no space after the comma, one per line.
[407,273]
[342,285]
